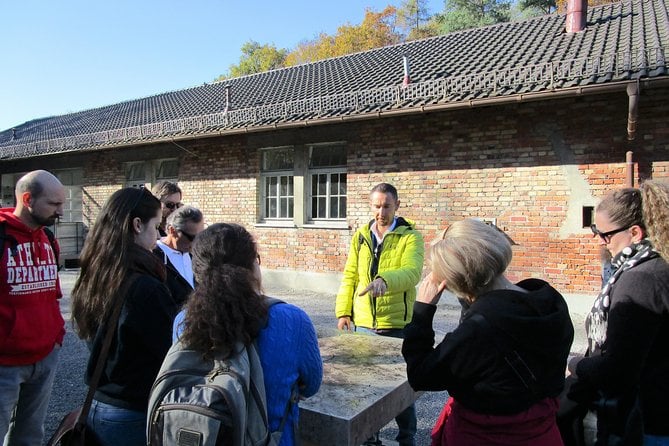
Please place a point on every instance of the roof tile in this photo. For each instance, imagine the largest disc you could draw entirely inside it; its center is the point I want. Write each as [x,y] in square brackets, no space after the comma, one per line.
[621,41]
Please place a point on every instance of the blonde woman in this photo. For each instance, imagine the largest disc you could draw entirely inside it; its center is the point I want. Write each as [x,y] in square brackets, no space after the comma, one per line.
[504,364]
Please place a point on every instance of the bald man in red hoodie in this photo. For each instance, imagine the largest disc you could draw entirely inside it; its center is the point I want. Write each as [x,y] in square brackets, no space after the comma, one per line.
[31,326]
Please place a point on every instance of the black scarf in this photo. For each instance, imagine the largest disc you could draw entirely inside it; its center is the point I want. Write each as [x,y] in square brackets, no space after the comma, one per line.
[597,320]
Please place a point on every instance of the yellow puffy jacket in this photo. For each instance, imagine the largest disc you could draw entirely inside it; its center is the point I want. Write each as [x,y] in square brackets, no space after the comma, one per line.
[400,265]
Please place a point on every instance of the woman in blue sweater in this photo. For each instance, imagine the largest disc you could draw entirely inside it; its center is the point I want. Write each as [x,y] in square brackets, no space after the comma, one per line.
[227,306]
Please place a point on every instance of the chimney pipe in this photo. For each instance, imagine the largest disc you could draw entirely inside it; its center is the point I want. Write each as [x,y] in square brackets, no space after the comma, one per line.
[577,11]
[407,78]
[227,99]
[13,134]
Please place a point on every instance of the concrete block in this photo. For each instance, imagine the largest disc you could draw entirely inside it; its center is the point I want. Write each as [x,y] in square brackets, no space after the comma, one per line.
[364,387]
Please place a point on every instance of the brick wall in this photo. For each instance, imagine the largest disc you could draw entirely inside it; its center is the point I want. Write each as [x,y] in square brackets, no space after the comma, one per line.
[531,166]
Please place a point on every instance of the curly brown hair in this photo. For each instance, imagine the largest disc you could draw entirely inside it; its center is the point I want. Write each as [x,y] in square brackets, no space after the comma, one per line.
[227,305]
[655,195]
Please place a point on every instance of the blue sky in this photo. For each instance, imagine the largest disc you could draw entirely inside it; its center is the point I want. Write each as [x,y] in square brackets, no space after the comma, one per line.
[58,57]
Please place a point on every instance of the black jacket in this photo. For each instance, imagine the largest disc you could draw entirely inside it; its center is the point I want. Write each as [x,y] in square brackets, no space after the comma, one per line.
[143,336]
[470,364]
[178,286]
[635,356]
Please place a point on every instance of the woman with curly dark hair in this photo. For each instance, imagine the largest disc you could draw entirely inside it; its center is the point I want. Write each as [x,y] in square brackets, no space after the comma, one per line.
[117,264]
[228,306]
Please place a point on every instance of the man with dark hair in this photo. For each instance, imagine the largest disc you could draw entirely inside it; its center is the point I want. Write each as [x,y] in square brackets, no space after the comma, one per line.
[378,287]
[170,196]
[31,326]
[174,249]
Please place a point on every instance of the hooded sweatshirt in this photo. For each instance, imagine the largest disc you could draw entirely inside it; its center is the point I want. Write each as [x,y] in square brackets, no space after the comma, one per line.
[469,363]
[30,320]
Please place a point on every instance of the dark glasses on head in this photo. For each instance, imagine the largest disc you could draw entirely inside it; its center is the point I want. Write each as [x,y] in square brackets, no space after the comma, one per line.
[172,206]
[606,236]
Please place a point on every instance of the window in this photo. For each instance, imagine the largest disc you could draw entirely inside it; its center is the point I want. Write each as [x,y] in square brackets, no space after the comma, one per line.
[135,173]
[145,173]
[72,179]
[327,171]
[304,185]
[277,174]
[588,216]
[167,170]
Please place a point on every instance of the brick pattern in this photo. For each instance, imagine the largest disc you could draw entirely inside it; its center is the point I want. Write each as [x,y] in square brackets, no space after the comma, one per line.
[531,166]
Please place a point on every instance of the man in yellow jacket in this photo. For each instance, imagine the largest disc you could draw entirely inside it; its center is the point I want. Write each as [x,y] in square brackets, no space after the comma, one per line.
[378,288]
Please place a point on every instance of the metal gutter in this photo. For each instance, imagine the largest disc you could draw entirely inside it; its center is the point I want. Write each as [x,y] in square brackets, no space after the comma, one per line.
[559,93]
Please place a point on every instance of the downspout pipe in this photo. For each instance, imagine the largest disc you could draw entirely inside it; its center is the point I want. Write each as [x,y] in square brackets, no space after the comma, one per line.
[633,110]
[629,169]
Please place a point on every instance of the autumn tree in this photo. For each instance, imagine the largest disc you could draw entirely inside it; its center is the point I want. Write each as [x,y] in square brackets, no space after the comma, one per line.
[256,58]
[377,29]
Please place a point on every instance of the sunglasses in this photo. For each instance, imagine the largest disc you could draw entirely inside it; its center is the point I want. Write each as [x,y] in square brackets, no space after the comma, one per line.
[606,236]
[190,237]
[172,206]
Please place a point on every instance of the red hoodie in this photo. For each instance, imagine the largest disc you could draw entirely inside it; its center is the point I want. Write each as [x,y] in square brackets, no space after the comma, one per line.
[30,319]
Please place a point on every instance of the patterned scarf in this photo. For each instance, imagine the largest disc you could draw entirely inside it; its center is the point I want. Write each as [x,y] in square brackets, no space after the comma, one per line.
[597,319]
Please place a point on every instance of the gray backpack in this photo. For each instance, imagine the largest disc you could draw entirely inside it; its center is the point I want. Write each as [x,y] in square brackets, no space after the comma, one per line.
[194,402]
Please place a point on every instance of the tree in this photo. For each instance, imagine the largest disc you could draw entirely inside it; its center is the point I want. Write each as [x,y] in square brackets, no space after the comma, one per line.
[561,5]
[376,30]
[466,14]
[413,19]
[256,58]
[549,6]
[541,6]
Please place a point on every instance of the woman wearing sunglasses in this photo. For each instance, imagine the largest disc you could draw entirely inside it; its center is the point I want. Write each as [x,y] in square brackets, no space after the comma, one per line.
[624,375]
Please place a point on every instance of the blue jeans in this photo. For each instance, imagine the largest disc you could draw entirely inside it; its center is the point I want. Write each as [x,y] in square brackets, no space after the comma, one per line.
[115,426]
[25,391]
[654,440]
[406,420]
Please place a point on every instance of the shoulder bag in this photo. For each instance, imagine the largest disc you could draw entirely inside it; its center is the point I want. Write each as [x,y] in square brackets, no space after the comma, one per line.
[73,430]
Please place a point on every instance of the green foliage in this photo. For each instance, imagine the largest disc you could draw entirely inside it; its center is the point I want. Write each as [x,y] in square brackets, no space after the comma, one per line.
[466,14]
[542,6]
[414,20]
[256,58]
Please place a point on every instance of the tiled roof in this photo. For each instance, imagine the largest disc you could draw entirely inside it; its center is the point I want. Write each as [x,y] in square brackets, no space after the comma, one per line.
[622,41]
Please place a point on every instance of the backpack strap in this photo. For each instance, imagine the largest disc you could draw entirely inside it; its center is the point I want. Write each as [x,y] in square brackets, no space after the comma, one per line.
[52,241]
[294,391]
[6,237]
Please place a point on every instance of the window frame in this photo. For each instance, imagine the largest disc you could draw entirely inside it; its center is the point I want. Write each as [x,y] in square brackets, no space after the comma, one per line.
[302,175]
[265,176]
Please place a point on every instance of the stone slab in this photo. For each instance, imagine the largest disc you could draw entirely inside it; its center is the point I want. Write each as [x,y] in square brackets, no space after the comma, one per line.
[364,387]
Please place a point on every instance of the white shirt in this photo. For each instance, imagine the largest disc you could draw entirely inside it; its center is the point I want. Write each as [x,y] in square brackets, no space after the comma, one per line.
[379,238]
[180,260]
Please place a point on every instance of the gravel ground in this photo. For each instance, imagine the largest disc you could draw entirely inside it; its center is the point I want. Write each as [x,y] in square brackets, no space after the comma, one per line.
[69,390]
